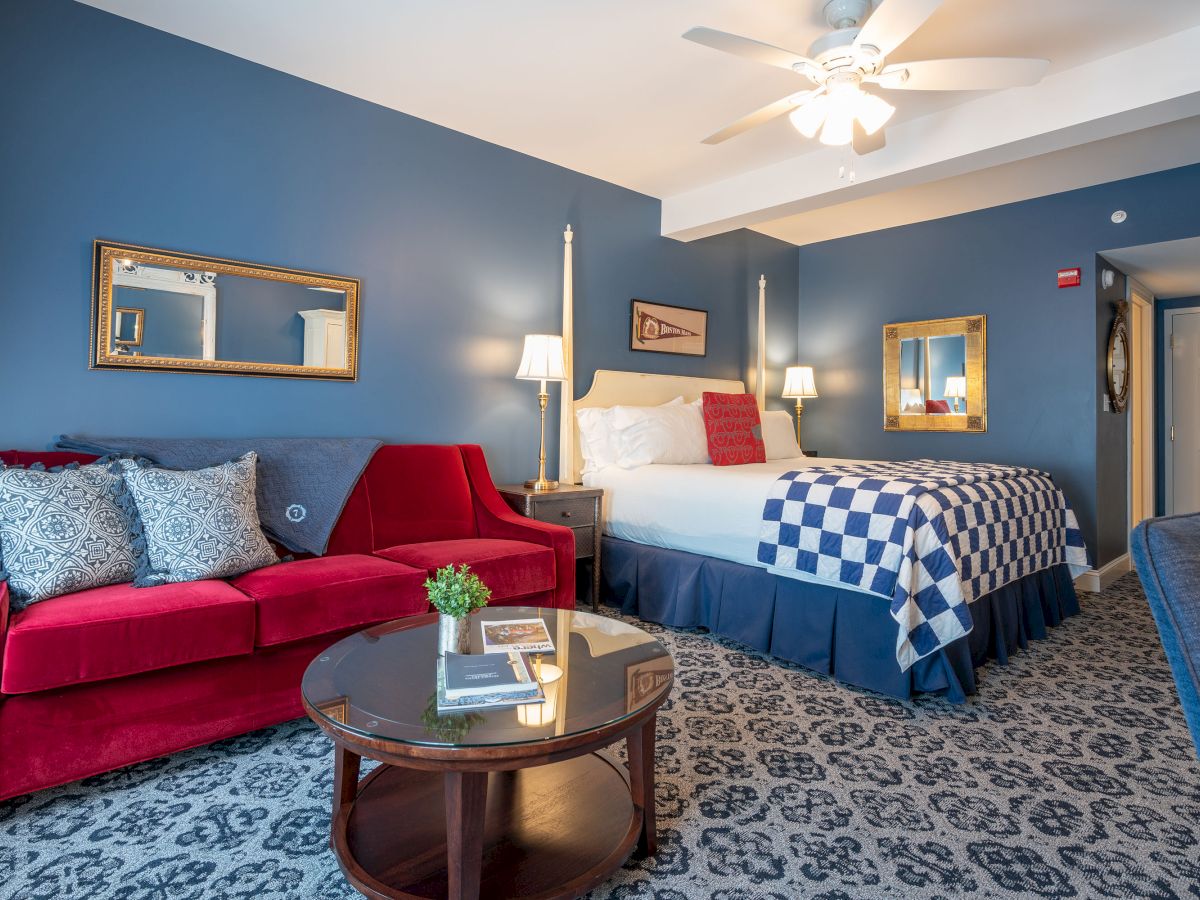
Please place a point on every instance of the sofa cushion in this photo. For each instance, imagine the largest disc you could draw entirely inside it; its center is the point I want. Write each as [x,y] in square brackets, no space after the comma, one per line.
[297,600]
[118,630]
[508,568]
[64,531]
[199,524]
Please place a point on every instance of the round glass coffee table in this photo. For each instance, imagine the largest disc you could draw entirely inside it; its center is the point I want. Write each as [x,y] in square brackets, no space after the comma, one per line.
[507,802]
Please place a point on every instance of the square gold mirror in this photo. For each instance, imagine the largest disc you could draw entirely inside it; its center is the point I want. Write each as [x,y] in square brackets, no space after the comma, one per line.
[183,312]
[935,375]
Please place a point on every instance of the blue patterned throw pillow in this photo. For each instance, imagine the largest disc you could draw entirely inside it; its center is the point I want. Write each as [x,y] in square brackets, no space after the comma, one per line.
[198,524]
[63,531]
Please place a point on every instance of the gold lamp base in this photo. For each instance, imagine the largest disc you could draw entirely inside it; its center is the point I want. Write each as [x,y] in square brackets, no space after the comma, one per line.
[542,484]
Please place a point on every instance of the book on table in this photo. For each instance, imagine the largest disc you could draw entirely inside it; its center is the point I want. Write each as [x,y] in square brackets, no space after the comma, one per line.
[479,681]
[523,635]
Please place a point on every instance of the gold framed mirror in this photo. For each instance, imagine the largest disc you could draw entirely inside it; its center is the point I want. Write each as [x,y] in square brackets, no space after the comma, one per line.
[162,310]
[935,375]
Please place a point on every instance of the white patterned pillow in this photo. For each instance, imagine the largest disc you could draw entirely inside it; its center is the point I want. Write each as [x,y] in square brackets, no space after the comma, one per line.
[63,531]
[198,524]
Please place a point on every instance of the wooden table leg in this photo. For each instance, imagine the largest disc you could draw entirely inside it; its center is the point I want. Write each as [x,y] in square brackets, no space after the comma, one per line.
[596,569]
[346,780]
[640,748]
[466,802]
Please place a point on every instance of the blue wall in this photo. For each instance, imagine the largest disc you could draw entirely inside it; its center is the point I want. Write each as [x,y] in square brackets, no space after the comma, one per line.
[1044,371]
[458,243]
[1112,429]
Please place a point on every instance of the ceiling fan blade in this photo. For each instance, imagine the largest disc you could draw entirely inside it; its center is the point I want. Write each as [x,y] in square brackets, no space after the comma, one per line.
[867,143]
[970,74]
[761,116]
[894,22]
[750,49]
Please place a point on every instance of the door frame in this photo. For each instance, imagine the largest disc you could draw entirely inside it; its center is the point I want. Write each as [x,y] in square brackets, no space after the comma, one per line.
[1141,421]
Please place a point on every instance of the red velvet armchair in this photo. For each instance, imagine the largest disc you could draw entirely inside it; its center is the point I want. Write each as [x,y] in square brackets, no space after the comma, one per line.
[103,678]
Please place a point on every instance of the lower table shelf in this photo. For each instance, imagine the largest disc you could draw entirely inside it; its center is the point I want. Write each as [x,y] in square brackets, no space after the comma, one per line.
[556,830]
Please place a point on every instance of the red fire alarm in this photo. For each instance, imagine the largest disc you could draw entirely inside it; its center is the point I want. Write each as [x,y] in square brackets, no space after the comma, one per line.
[1070,277]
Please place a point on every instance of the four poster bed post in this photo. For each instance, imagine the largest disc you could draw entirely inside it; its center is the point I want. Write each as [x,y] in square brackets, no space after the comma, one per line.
[568,464]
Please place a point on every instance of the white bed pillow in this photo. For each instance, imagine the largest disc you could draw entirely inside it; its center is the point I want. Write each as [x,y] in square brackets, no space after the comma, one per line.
[597,437]
[779,435]
[670,435]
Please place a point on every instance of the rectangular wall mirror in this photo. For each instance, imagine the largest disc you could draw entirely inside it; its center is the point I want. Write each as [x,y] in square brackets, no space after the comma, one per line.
[182,312]
[935,375]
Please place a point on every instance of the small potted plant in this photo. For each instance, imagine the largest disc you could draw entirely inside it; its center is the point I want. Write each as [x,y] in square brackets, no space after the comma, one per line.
[455,594]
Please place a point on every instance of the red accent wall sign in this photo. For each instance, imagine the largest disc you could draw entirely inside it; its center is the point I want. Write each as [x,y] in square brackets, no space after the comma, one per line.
[1070,277]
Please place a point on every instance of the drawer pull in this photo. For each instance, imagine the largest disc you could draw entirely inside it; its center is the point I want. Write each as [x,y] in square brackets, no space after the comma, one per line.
[566,514]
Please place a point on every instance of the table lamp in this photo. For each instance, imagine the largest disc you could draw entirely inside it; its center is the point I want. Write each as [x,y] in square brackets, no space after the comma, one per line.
[798,384]
[956,388]
[536,715]
[542,360]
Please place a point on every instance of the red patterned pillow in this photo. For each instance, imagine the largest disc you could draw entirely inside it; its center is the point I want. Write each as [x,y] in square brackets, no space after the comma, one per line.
[733,428]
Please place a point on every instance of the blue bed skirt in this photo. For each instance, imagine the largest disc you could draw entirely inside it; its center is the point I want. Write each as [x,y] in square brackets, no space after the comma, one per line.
[838,632]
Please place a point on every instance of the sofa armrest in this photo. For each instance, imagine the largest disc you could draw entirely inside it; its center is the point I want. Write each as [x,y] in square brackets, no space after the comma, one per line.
[4,609]
[495,519]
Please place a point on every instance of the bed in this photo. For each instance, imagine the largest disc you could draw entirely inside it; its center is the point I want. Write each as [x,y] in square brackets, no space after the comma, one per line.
[685,545]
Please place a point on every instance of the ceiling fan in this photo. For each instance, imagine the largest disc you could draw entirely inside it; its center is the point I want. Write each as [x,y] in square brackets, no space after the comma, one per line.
[852,55]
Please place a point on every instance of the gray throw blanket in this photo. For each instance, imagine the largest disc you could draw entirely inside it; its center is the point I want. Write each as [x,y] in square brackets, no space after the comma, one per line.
[303,483]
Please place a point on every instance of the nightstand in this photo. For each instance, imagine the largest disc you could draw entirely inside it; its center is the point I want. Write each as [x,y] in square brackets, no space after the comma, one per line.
[572,505]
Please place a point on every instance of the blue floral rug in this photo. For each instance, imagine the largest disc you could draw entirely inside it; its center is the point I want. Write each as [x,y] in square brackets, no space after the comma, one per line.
[1071,774]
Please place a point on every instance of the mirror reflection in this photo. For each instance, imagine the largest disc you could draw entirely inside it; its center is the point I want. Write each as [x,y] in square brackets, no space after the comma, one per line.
[933,374]
[176,311]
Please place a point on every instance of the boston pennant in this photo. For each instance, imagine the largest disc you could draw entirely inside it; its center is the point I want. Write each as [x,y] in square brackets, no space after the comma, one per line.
[652,328]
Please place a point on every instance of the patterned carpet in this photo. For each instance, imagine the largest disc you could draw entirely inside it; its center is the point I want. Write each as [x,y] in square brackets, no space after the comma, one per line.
[1070,775]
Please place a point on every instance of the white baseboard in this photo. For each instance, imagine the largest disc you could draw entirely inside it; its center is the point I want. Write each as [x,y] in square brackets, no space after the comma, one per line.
[1096,580]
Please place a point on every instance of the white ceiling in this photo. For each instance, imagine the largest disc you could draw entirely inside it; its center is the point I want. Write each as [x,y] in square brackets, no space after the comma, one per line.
[1169,269]
[1124,156]
[608,87]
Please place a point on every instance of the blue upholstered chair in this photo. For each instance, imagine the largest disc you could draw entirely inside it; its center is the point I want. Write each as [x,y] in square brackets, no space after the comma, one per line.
[1167,555]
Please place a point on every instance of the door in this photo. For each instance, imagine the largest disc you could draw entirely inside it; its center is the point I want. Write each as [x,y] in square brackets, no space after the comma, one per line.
[1183,447]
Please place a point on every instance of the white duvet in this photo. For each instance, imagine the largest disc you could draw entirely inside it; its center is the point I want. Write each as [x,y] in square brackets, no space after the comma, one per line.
[705,509]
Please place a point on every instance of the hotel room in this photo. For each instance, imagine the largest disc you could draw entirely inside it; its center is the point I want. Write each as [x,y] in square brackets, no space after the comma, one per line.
[677,450]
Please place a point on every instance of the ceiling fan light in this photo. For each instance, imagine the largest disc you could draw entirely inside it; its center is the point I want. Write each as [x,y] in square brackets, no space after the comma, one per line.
[839,125]
[873,112]
[807,119]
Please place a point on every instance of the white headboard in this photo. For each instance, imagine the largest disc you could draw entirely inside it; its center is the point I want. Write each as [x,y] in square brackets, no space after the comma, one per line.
[611,388]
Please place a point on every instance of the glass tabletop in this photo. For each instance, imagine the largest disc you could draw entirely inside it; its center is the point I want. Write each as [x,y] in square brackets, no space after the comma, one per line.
[382,682]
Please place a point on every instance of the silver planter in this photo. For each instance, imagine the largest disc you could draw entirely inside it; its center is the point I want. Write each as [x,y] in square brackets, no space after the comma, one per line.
[454,635]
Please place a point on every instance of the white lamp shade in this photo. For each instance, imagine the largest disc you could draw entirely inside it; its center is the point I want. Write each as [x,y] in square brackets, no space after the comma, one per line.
[873,112]
[809,118]
[542,358]
[536,715]
[956,386]
[798,382]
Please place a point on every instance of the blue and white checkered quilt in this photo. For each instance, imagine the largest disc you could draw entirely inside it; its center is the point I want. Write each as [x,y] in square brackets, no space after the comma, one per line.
[932,536]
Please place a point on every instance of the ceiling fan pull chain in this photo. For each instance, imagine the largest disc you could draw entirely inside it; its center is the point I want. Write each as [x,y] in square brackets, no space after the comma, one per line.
[846,169]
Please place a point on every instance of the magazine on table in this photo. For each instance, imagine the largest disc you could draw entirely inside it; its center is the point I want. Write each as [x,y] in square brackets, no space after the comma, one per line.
[522,635]
[482,682]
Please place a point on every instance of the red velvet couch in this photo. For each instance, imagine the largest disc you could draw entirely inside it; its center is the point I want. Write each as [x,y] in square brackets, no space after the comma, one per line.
[103,678]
